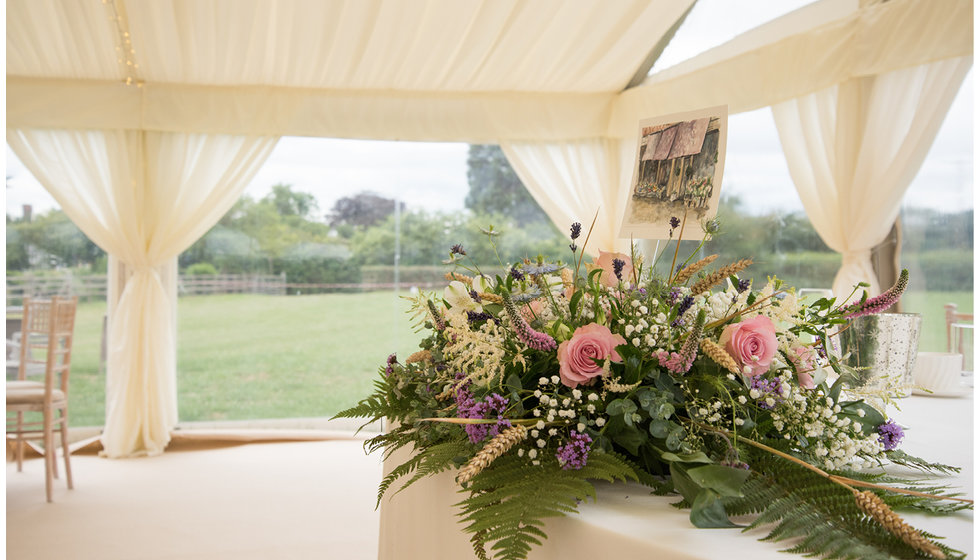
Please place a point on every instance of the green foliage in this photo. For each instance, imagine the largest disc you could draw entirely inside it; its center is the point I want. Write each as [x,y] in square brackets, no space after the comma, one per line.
[201,269]
[495,187]
[510,500]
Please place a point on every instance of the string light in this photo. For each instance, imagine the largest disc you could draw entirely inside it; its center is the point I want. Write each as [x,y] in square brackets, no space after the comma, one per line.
[124,46]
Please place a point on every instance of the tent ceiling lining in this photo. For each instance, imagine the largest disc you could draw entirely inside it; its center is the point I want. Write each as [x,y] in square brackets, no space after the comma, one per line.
[227,66]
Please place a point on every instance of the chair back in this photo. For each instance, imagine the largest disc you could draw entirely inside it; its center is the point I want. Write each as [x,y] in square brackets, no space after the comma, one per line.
[47,330]
[954,317]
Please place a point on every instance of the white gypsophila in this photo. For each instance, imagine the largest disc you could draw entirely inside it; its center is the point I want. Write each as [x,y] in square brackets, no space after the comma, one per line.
[835,441]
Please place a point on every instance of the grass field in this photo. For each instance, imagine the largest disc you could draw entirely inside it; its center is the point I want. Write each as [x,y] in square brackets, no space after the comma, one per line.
[251,356]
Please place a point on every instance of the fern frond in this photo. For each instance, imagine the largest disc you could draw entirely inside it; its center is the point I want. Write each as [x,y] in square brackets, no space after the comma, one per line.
[823,516]
[509,500]
[902,458]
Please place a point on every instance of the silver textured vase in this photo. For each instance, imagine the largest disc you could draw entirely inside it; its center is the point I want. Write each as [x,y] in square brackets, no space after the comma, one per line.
[883,347]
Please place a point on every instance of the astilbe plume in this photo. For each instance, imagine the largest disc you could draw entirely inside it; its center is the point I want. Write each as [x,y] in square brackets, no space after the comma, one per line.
[880,303]
[530,337]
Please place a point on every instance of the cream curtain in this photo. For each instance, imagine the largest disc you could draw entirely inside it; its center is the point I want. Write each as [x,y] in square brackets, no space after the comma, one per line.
[143,197]
[853,149]
[572,181]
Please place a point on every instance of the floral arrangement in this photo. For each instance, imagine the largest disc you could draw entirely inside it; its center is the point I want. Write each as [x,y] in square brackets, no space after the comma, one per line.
[537,382]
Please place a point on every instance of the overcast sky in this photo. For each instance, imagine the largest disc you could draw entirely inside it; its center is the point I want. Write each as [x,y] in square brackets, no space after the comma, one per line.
[433,175]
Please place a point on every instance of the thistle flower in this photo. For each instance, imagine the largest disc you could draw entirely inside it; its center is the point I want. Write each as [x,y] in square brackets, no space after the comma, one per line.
[880,303]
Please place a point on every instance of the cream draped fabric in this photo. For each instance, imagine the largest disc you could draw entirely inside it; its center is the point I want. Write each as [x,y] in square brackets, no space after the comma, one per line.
[573,181]
[853,149]
[144,197]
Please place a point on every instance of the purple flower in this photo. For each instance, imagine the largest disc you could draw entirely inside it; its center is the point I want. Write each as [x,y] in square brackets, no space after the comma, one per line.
[576,230]
[516,273]
[618,265]
[493,406]
[575,453]
[890,434]
[390,367]
[457,249]
[674,222]
[685,304]
[743,285]
[530,337]
[769,388]
[673,295]
[880,303]
[476,296]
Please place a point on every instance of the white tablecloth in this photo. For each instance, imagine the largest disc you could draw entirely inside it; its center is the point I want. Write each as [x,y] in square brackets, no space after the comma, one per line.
[627,522]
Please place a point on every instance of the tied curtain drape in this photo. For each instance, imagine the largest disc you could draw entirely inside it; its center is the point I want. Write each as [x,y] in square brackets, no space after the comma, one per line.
[575,180]
[143,197]
[854,148]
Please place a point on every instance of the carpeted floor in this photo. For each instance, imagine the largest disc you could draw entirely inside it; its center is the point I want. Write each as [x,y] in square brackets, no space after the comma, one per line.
[202,500]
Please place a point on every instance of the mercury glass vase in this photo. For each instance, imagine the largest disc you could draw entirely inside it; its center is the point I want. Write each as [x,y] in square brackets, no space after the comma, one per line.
[882,348]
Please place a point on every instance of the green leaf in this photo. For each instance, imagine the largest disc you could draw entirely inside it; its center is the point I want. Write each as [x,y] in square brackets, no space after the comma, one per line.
[726,481]
[683,483]
[695,457]
[621,407]
[708,511]
[630,438]
[659,428]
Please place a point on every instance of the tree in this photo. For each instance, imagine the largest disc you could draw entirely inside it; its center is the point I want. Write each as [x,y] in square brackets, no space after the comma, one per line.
[289,203]
[496,189]
[363,210]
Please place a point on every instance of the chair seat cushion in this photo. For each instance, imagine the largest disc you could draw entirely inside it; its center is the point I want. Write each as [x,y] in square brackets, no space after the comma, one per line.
[32,395]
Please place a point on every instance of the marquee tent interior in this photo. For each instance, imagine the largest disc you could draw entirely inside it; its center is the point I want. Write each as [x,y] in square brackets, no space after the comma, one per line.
[145,120]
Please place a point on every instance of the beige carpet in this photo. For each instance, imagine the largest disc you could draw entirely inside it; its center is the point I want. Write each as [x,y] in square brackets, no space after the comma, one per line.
[202,500]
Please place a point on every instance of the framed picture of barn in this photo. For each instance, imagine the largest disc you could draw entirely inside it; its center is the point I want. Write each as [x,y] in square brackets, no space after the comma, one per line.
[677,172]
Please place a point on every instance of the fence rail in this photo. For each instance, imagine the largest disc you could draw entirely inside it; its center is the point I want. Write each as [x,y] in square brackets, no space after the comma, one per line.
[93,287]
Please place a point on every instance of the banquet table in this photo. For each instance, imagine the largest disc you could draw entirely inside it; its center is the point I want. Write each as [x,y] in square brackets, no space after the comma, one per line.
[626,521]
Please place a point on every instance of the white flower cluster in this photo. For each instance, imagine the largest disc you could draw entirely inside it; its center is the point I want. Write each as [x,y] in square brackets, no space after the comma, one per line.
[721,305]
[641,328]
[836,441]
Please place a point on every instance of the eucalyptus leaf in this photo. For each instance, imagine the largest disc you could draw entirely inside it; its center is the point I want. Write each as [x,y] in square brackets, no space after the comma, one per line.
[726,481]
[707,511]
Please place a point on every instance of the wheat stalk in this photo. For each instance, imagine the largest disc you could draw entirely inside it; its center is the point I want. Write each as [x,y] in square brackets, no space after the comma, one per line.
[689,271]
[450,276]
[495,448]
[420,356]
[717,276]
[871,504]
[719,355]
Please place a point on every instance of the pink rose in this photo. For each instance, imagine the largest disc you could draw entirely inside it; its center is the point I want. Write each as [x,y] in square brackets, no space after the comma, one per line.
[605,262]
[581,356]
[752,343]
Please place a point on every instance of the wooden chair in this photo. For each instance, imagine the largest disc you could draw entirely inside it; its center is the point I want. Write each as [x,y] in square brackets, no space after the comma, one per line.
[955,317]
[47,332]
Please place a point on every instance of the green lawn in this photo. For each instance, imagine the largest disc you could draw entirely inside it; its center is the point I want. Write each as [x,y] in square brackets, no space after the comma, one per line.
[252,356]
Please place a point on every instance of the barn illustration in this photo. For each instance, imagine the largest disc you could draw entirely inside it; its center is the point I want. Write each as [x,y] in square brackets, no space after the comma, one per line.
[677,163]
